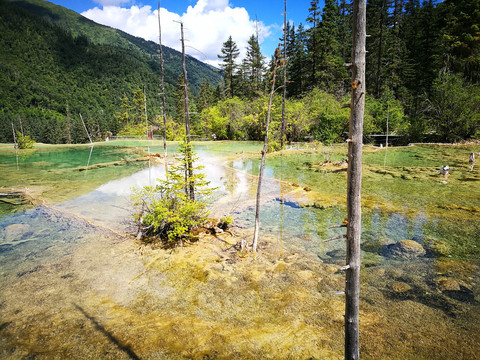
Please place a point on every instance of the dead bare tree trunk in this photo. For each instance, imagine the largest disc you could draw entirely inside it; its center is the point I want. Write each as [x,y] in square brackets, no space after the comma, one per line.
[162,84]
[188,160]
[264,153]
[282,132]
[14,138]
[146,117]
[354,182]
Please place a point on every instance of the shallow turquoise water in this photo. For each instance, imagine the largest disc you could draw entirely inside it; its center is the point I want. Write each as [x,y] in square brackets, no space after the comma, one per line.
[47,239]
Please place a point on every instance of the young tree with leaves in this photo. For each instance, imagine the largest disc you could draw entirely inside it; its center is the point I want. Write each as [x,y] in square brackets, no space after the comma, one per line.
[167,210]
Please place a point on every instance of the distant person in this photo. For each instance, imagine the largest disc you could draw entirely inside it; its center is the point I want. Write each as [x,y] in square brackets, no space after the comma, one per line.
[472,161]
[444,170]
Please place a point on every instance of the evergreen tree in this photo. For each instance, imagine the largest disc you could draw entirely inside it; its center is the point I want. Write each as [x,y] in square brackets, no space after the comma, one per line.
[312,45]
[242,81]
[254,65]
[139,103]
[205,97]
[345,30]
[220,91]
[461,37]
[228,66]
[180,101]
[378,27]
[331,74]
[123,117]
[297,61]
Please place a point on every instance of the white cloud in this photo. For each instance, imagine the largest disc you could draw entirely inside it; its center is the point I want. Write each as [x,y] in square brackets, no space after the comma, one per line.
[112,2]
[207,25]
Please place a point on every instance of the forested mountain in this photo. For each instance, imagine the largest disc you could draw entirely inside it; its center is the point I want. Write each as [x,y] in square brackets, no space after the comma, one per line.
[56,64]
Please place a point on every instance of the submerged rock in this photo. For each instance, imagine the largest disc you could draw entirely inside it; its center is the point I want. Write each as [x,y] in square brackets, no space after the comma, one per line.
[376,246]
[400,287]
[16,232]
[447,284]
[406,249]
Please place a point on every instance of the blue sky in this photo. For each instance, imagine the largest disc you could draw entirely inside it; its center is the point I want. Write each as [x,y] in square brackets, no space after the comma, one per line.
[208,23]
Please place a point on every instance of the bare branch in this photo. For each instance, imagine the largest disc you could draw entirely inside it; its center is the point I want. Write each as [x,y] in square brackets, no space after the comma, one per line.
[335,238]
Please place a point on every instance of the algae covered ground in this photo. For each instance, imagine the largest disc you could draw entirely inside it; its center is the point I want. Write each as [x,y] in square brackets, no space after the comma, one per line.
[76,284]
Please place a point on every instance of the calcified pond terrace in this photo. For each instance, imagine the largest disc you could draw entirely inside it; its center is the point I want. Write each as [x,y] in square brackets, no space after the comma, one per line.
[76,285]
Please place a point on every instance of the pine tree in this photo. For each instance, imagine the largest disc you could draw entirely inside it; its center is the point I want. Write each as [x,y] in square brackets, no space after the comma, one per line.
[345,30]
[242,81]
[220,91]
[123,117]
[297,61]
[331,73]
[139,102]
[180,101]
[313,46]
[228,66]
[254,62]
[461,37]
[205,97]
[378,28]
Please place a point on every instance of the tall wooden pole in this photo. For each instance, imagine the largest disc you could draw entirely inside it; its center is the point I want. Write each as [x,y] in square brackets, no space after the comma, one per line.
[14,138]
[354,182]
[282,133]
[185,84]
[146,117]
[188,154]
[162,85]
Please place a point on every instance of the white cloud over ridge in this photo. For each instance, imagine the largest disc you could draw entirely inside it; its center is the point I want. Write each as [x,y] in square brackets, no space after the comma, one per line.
[207,25]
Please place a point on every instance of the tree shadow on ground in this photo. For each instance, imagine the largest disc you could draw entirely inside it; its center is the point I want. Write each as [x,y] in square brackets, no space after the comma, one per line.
[125,348]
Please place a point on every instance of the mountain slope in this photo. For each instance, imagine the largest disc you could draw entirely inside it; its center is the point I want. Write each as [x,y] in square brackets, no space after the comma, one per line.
[48,76]
[79,25]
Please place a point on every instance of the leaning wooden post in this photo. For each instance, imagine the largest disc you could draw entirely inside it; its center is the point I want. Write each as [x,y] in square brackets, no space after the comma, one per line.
[354,182]
[264,152]
[85,127]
